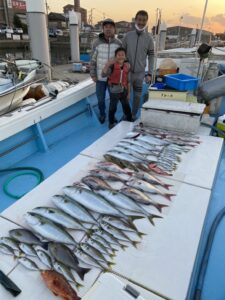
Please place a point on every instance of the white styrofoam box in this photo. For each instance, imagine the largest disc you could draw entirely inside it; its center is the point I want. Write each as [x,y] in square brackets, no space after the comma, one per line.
[173,115]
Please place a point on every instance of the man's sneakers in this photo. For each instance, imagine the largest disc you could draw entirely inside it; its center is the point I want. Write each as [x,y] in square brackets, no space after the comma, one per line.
[102,119]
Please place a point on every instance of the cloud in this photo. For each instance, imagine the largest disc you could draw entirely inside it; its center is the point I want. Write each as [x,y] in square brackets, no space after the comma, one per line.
[219,19]
[188,20]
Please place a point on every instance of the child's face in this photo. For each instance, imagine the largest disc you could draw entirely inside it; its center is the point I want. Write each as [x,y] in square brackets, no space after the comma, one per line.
[120,57]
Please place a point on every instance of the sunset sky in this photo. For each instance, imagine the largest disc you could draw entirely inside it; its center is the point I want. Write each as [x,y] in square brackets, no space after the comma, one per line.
[172,11]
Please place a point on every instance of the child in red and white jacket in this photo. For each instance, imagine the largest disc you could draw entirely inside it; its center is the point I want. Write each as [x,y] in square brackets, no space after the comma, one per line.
[118,73]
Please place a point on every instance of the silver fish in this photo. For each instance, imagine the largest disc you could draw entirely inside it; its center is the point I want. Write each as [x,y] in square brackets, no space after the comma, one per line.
[24,236]
[110,239]
[64,255]
[73,209]
[6,250]
[100,239]
[48,229]
[93,252]
[151,179]
[152,140]
[120,224]
[95,182]
[59,217]
[27,263]
[90,261]
[44,258]
[122,201]
[111,167]
[65,271]
[27,249]
[148,187]
[106,175]
[91,200]
[118,234]
[142,198]
[100,247]
[10,243]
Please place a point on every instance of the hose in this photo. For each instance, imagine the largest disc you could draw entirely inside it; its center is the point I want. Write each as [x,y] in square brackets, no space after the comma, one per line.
[207,250]
[22,171]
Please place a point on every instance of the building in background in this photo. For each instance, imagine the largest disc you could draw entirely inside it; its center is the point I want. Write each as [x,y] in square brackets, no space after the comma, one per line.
[56,21]
[76,7]
[10,8]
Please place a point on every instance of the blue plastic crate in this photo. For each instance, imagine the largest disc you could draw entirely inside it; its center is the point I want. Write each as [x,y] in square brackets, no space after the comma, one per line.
[181,82]
[158,86]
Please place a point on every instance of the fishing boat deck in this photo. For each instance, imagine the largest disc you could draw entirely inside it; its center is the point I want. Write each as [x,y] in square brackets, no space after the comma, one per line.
[170,248]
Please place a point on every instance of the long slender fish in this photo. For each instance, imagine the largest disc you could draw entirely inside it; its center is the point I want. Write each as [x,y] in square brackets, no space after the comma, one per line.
[91,200]
[48,229]
[73,209]
[58,216]
[24,236]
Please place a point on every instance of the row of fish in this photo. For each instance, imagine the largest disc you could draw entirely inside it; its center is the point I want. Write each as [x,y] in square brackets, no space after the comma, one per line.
[104,213]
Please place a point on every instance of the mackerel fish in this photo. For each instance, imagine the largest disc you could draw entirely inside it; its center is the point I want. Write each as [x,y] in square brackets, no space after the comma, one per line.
[48,229]
[91,200]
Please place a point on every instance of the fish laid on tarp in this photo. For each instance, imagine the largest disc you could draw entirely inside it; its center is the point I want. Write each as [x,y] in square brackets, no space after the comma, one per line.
[95,182]
[24,236]
[156,169]
[63,254]
[91,200]
[10,243]
[88,260]
[100,247]
[65,271]
[142,198]
[93,252]
[117,233]
[112,167]
[106,175]
[122,201]
[58,216]
[27,249]
[120,223]
[28,263]
[48,229]
[59,286]
[151,179]
[43,256]
[148,187]
[100,239]
[4,249]
[73,209]
[113,242]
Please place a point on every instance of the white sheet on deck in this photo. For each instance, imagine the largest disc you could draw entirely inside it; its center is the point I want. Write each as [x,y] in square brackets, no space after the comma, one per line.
[198,167]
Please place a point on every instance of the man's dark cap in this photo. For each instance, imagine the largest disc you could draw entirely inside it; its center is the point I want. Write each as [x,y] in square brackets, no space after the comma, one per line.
[108,21]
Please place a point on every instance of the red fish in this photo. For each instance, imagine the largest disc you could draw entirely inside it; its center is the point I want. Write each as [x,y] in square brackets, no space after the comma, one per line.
[59,285]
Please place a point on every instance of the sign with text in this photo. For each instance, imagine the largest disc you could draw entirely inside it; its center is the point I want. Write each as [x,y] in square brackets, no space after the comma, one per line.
[21,5]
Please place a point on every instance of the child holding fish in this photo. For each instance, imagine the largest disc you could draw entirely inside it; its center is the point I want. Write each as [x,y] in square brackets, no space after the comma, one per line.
[118,73]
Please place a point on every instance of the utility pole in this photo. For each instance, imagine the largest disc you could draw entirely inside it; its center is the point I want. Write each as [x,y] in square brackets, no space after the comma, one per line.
[6,12]
[90,18]
[203,19]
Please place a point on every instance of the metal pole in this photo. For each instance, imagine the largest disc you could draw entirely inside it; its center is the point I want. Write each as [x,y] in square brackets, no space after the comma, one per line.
[38,32]
[5,4]
[203,19]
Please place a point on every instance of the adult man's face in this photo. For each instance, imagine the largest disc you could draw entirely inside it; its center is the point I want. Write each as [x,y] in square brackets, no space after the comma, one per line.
[141,21]
[108,30]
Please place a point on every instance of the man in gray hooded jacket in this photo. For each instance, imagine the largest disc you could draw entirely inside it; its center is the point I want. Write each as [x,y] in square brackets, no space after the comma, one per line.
[139,45]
